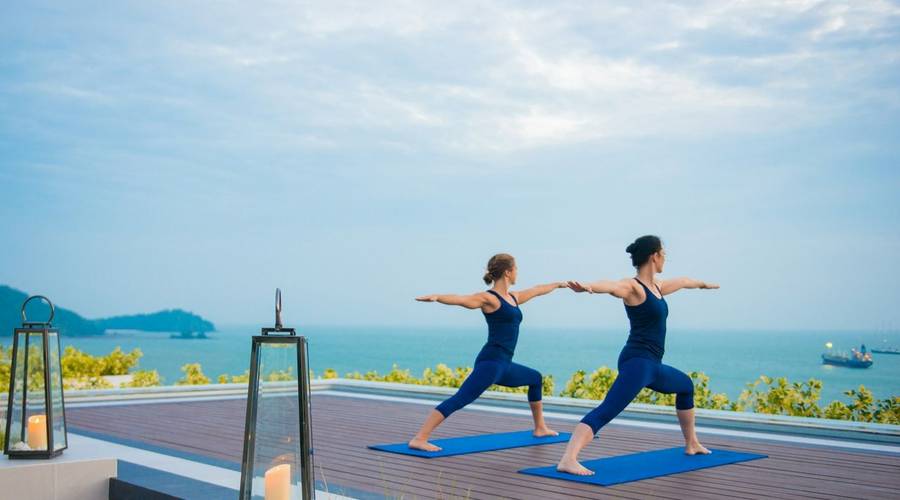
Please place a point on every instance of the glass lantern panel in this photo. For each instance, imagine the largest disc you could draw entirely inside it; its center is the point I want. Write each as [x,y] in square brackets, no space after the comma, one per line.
[277,447]
[56,393]
[28,419]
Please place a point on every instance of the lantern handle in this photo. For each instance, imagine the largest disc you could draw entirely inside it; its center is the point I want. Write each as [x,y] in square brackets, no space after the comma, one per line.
[279,327]
[278,323]
[45,299]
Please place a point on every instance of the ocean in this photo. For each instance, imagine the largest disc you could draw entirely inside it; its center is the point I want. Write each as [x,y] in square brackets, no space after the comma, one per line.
[730,358]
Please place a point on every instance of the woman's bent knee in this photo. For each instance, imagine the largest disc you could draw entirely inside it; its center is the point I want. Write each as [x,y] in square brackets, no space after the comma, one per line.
[684,400]
[535,392]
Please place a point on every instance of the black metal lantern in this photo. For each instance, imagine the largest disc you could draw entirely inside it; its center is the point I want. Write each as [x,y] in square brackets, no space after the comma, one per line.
[277,462]
[36,412]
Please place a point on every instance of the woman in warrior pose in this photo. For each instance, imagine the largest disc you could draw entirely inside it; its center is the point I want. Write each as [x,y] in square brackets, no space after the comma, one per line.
[494,364]
[640,362]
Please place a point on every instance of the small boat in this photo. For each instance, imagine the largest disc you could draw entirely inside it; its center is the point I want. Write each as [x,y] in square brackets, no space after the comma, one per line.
[188,335]
[848,361]
[884,346]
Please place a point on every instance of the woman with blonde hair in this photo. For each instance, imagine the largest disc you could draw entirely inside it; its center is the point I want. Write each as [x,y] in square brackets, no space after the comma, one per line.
[494,364]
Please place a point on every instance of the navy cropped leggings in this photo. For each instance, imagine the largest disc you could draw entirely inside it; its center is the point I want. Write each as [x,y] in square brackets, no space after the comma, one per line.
[635,374]
[488,372]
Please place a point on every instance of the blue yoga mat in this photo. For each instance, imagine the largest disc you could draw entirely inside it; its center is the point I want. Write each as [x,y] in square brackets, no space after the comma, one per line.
[474,444]
[645,465]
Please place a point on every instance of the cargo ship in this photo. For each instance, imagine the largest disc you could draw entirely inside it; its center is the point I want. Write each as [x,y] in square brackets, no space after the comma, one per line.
[856,359]
[886,350]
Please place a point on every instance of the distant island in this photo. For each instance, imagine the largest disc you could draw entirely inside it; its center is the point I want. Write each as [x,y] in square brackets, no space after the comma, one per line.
[182,324]
[174,320]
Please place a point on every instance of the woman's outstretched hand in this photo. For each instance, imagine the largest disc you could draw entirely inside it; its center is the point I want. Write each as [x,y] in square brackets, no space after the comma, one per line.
[709,286]
[427,298]
[578,287]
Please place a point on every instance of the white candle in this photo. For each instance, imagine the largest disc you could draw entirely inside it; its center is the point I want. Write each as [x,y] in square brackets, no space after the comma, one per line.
[278,483]
[37,432]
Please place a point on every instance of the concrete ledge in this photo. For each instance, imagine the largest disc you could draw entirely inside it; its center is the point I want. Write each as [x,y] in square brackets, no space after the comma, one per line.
[634,410]
[57,479]
[731,419]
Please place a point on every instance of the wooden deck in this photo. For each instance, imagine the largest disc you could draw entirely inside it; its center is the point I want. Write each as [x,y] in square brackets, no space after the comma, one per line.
[343,427]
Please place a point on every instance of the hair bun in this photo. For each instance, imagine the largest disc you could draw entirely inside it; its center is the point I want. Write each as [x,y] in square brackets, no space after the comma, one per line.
[643,248]
[497,265]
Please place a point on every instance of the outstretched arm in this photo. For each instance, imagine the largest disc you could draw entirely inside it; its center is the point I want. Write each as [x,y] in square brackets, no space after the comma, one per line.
[536,291]
[474,301]
[673,285]
[621,288]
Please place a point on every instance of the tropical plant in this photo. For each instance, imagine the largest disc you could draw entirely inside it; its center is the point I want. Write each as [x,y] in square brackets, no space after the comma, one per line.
[77,363]
[144,378]
[705,398]
[5,365]
[281,375]
[84,371]
[780,397]
[235,379]
[775,396]
[193,375]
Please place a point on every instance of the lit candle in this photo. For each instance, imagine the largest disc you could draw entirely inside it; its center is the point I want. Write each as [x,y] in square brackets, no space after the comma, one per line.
[37,432]
[278,483]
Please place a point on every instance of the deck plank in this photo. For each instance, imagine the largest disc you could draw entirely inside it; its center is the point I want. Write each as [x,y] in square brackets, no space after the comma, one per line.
[344,426]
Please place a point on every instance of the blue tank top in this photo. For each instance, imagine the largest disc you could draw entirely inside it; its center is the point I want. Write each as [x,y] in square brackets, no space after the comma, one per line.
[648,327]
[503,330]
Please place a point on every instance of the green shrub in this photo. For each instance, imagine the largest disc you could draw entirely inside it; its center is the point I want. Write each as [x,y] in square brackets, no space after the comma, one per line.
[546,387]
[705,398]
[864,408]
[593,386]
[193,375]
[119,363]
[76,364]
[888,411]
[80,370]
[598,383]
[5,366]
[837,410]
[274,376]
[144,378]
[35,368]
[441,376]
[84,371]
[862,404]
[235,379]
[280,375]
[774,396]
[86,383]
[780,397]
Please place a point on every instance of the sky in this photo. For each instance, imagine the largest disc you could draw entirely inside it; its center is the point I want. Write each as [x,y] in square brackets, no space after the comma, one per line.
[200,154]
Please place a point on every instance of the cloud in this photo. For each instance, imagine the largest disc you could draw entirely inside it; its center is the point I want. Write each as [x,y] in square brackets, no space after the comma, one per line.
[473,78]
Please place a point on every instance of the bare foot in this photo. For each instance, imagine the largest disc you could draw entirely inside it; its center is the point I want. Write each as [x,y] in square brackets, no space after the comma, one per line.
[421,444]
[544,432]
[696,449]
[573,467]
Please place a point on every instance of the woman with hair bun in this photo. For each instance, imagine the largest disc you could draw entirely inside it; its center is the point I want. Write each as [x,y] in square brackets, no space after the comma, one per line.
[640,362]
[494,364]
